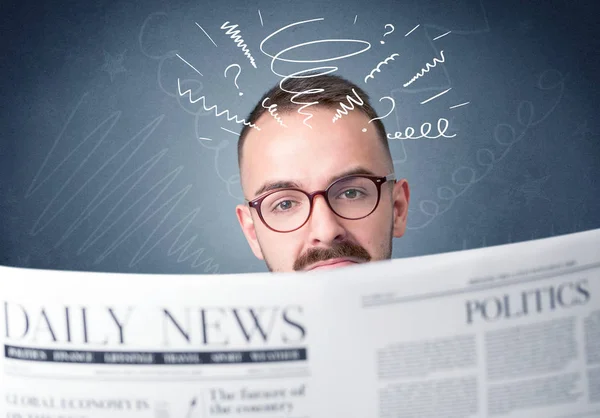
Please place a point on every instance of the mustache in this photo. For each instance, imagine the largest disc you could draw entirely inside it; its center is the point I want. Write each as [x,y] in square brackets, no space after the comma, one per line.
[344,249]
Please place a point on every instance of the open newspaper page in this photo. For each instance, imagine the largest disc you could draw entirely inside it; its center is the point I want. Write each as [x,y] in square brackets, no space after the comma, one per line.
[119,345]
[506,331]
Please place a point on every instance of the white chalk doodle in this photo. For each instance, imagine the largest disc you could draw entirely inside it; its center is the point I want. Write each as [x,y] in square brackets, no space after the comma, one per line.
[466,177]
[216,110]
[194,68]
[412,30]
[442,127]
[238,40]
[459,105]
[343,111]
[427,68]
[387,114]
[236,76]
[113,65]
[230,131]
[329,69]
[128,185]
[377,70]
[273,111]
[198,114]
[442,35]
[387,33]
[532,188]
[207,35]
[436,96]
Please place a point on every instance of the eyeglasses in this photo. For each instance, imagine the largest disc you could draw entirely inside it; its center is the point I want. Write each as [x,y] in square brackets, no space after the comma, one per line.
[352,197]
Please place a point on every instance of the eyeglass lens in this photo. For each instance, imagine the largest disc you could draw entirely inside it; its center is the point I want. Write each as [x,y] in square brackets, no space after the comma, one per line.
[351,198]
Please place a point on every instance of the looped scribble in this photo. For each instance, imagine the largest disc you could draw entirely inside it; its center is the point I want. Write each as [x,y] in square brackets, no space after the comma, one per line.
[505,136]
[305,73]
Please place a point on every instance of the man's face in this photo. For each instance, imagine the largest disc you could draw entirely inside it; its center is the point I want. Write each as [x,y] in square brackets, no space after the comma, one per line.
[312,159]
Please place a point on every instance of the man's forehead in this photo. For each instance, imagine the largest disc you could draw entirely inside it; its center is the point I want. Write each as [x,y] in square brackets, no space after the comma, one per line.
[296,153]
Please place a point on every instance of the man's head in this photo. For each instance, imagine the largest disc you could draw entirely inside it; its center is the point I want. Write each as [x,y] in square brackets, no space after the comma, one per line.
[311,159]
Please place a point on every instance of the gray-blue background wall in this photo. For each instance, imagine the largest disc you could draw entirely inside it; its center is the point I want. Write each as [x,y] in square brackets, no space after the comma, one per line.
[102,167]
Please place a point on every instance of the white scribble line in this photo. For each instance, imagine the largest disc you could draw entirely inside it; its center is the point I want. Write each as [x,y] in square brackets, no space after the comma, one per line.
[259,15]
[92,205]
[355,17]
[441,36]
[344,109]
[140,138]
[148,165]
[273,111]
[216,109]
[189,65]
[297,94]
[31,188]
[95,236]
[182,249]
[490,160]
[238,40]
[235,133]
[105,128]
[135,225]
[390,58]
[436,96]
[425,70]
[114,117]
[329,69]
[459,105]
[207,139]
[206,34]
[412,30]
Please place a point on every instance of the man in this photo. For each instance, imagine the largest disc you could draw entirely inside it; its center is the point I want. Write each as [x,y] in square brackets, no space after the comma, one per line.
[286,167]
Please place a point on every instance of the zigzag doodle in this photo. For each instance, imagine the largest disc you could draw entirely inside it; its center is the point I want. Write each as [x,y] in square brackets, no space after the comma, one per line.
[344,109]
[114,191]
[217,113]
[235,35]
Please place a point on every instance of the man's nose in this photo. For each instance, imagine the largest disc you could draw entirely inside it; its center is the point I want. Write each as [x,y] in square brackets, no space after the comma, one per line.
[324,224]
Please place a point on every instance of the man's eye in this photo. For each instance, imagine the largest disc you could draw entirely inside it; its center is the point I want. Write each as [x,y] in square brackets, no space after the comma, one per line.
[351,194]
[283,205]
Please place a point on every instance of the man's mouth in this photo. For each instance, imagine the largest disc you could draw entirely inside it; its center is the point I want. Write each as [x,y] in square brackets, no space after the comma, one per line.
[332,263]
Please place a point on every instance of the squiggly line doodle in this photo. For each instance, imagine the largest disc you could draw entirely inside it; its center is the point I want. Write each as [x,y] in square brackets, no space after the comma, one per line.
[371,75]
[217,113]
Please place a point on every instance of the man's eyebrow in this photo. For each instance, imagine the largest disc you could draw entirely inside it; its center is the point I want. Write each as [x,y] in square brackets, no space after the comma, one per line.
[286,184]
[351,172]
[281,184]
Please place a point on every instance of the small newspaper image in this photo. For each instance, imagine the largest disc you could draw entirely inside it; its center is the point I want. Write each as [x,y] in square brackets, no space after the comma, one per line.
[505,331]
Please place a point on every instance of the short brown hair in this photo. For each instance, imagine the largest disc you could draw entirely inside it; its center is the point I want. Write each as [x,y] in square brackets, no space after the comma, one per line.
[334,90]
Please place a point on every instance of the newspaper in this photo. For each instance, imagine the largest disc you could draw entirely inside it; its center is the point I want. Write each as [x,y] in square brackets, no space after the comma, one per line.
[504,331]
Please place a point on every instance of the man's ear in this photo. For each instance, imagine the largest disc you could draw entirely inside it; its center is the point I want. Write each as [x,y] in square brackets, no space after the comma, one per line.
[401,197]
[247,224]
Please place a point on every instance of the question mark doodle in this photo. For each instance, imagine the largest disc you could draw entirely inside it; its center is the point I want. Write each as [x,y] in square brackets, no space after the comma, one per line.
[391,110]
[387,33]
[236,76]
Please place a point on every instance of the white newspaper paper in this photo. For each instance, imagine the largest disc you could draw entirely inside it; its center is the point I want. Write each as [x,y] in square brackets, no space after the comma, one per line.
[505,331]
